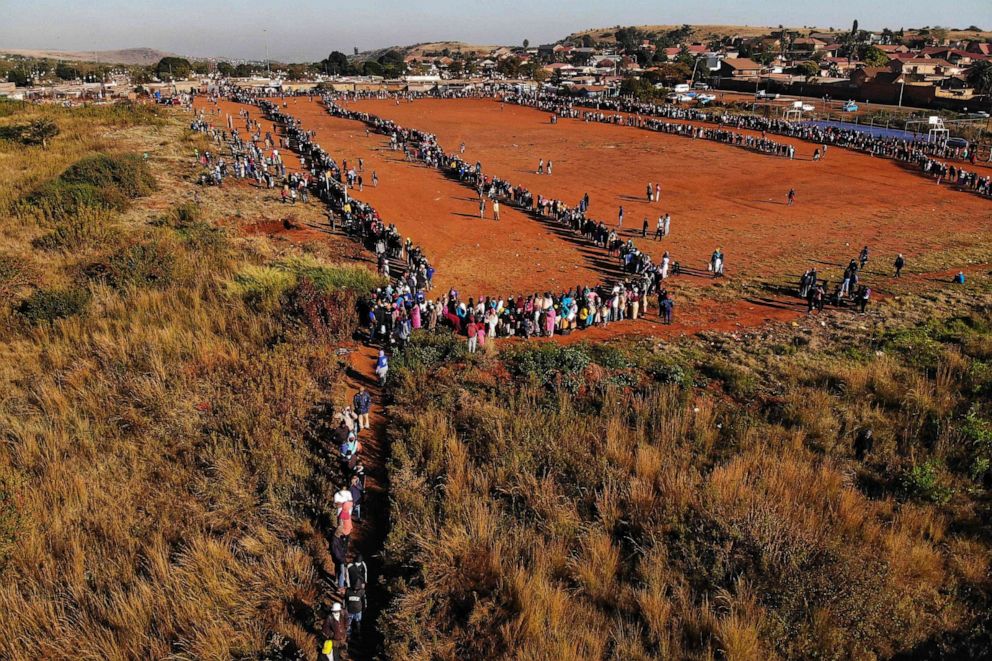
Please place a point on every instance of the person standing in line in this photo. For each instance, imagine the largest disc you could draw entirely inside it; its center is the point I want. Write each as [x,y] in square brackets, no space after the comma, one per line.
[863,258]
[482,207]
[659,230]
[362,403]
[667,308]
[335,633]
[496,210]
[657,192]
[473,335]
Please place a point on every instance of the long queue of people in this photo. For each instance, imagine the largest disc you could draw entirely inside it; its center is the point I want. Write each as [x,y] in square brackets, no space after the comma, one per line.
[401,309]
[928,156]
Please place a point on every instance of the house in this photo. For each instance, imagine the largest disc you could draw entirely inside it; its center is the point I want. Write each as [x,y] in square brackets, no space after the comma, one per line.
[740,67]
[807,45]
[925,67]
[980,48]
[878,75]
[952,55]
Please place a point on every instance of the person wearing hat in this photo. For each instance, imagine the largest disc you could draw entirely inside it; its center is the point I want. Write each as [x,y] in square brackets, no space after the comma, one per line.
[335,631]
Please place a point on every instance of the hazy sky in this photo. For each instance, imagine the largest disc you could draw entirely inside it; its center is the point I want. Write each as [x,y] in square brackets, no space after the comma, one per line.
[303,30]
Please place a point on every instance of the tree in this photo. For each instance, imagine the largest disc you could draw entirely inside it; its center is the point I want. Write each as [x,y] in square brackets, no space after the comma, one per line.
[225,69]
[509,67]
[335,64]
[939,35]
[66,71]
[526,44]
[809,69]
[980,77]
[874,57]
[40,132]
[588,41]
[18,77]
[173,68]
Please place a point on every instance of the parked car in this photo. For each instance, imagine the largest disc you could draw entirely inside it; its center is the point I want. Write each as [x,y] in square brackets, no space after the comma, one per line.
[700,85]
[765,94]
[706,98]
[681,88]
[850,106]
[808,107]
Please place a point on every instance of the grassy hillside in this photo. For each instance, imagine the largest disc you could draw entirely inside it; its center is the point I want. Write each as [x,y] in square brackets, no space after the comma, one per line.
[702,499]
[162,481]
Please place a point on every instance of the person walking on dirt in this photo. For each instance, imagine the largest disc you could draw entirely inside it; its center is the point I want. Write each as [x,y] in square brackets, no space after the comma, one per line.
[863,258]
[482,208]
[549,167]
[863,295]
[650,192]
[496,210]
[659,230]
[362,402]
[668,223]
[657,192]
[644,228]
[375,179]
[791,197]
[620,218]
[899,264]
[382,367]
[540,166]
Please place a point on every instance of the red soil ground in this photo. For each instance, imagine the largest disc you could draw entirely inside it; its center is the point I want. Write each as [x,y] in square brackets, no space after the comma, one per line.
[718,195]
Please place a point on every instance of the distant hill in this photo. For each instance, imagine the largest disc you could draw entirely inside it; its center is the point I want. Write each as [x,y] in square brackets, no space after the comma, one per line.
[123,56]
[419,50]
[704,33]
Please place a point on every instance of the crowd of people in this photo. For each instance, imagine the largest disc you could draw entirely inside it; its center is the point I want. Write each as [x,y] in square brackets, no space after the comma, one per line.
[931,157]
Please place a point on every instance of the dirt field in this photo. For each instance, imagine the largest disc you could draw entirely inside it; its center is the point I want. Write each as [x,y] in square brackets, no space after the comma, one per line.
[718,195]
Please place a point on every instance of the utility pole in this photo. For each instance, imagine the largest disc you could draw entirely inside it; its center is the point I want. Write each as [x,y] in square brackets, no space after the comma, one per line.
[268,66]
[902,86]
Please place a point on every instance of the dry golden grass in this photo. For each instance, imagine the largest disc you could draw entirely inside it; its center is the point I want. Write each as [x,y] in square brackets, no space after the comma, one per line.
[726,518]
[157,445]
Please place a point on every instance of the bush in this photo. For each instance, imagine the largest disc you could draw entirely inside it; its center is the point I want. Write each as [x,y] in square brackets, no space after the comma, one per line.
[102,181]
[431,350]
[51,304]
[554,365]
[328,277]
[923,482]
[127,174]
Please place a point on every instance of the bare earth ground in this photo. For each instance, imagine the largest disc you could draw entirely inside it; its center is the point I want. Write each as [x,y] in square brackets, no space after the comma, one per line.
[718,195]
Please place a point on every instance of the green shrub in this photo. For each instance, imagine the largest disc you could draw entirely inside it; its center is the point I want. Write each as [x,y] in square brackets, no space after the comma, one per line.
[99,182]
[923,482]
[552,364]
[431,350]
[127,174]
[51,304]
